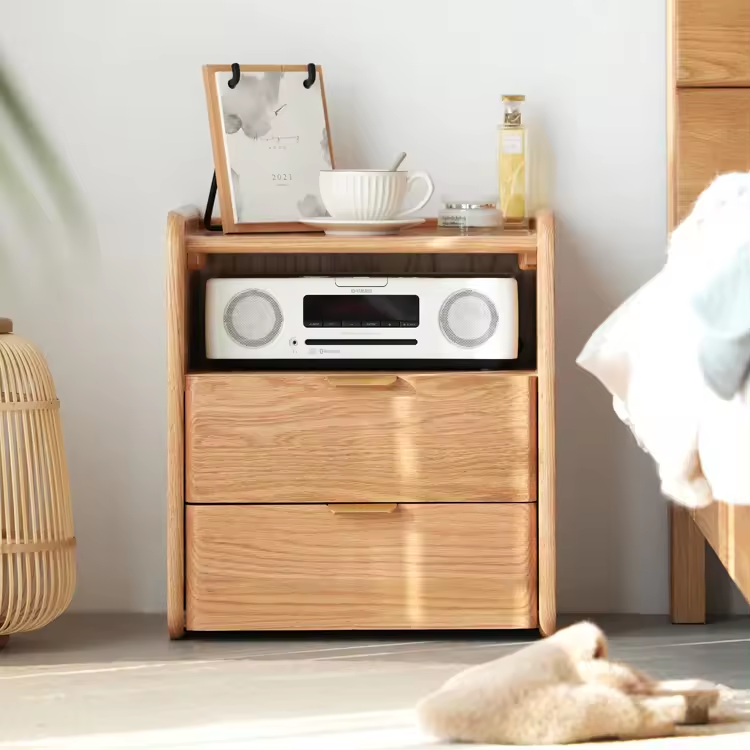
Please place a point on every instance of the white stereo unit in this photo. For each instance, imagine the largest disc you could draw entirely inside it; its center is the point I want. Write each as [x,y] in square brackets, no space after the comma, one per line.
[325,318]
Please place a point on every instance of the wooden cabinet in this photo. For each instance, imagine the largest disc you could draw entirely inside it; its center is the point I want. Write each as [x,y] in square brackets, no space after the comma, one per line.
[360,500]
[713,137]
[356,438]
[423,566]
[712,40]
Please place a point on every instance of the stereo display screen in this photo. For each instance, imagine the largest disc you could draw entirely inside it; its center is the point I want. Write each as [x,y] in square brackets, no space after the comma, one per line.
[361,311]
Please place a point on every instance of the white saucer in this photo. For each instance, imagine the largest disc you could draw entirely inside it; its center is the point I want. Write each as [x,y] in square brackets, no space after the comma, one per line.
[352,228]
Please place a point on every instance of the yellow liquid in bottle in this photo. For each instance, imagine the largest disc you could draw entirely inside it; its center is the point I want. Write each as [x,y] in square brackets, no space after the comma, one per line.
[512,177]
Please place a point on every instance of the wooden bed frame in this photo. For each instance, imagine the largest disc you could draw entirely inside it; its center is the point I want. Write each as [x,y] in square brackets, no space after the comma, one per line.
[707,124]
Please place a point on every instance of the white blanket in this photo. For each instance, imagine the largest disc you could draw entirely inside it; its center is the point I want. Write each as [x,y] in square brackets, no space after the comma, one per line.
[675,355]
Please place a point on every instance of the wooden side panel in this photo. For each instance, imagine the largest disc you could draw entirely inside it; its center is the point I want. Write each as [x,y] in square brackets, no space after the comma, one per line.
[687,566]
[713,136]
[314,438]
[727,530]
[305,568]
[178,223]
[713,42]
[546,417]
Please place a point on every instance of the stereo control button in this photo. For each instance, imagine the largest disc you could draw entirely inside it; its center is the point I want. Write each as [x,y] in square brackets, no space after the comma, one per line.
[331,324]
[313,324]
[409,324]
[371,324]
[389,324]
[352,324]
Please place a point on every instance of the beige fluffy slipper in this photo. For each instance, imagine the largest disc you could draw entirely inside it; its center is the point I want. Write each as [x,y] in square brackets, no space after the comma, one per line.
[562,690]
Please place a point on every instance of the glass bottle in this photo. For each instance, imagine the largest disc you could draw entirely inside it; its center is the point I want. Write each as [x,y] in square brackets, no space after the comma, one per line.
[513,174]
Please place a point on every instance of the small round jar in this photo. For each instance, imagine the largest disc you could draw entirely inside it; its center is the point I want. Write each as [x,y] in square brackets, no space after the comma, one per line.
[469,215]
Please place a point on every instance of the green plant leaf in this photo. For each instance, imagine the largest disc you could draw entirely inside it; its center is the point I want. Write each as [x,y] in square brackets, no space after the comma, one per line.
[62,192]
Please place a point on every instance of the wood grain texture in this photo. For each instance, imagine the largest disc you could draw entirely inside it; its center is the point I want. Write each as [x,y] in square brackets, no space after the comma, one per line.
[727,529]
[216,125]
[304,568]
[687,586]
[546,419]
[178,223]
[426,239]
[671,114]
[308,438]
[713,42]
[713,136]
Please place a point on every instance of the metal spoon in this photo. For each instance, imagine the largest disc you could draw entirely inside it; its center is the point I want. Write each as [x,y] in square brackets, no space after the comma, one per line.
[397,163]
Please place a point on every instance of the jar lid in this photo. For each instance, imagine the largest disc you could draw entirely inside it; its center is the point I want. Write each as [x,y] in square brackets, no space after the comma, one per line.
[513,98]
[469,206]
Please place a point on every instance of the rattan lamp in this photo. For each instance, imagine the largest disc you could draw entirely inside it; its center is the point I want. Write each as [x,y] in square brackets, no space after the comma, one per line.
[37,546]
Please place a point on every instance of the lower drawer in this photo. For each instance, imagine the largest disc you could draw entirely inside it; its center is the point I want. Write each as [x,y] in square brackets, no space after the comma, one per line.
[308,567]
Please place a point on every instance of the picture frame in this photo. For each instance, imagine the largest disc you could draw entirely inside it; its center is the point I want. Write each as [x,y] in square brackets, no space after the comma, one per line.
[271,137]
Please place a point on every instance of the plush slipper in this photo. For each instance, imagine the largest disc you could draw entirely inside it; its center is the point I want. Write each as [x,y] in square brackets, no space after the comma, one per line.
[562,690]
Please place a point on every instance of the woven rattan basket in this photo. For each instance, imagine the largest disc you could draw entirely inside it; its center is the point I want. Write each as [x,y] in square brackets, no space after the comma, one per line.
[37,546]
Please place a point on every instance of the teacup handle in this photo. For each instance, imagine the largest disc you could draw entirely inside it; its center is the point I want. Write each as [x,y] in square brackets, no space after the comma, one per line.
[416,177]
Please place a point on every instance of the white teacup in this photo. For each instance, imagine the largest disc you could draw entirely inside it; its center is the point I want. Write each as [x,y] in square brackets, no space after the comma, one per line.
[370,194]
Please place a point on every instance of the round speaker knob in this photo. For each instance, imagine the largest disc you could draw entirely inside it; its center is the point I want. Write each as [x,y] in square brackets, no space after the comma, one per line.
[253,318]
[468,318]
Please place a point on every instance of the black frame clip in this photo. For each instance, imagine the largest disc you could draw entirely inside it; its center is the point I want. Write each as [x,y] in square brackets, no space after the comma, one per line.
[311,75]
[235,79]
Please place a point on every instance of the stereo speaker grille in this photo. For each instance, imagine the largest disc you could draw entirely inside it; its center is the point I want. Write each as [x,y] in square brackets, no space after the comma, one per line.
[253,318]
[468,318]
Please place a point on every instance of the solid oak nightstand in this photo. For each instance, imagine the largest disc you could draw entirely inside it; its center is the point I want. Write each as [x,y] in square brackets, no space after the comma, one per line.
[360,500]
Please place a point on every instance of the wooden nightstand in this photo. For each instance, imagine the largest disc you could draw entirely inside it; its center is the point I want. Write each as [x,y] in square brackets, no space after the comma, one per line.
[378,500]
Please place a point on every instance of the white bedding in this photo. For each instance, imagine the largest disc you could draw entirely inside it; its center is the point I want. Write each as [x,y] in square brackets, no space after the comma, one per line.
[675,355]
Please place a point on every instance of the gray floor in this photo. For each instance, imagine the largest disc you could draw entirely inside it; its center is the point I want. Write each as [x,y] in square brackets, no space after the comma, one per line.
[117,681]
[719,651]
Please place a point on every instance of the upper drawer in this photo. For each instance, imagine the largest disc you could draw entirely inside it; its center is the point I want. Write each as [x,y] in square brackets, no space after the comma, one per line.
[297,438]
[713,136]
[713,42]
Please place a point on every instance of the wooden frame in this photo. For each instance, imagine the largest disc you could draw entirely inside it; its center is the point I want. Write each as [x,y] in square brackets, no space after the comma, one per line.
[228,223]
[188,250]
[726,528]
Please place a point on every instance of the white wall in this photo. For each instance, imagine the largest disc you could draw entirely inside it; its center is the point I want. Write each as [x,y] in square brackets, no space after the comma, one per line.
[118,83]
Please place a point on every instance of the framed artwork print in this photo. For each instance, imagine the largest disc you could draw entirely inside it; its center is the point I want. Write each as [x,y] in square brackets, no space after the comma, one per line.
[270,140]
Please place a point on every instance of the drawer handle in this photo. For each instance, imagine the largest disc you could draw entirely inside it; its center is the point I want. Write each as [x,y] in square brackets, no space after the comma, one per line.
[362,381]
[380,508]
